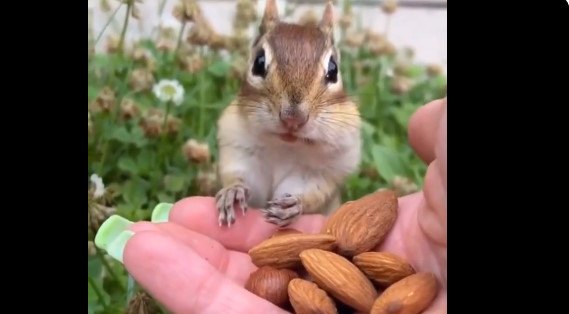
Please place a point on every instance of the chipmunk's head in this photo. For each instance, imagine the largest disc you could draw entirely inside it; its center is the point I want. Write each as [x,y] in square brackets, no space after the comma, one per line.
[293,86]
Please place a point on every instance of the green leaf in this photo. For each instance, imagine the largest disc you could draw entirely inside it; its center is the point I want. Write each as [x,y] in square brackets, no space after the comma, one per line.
[387,162]
[174,183]
[134,192]
[219,69]
[94,303]
[165,198]
[94,267]
[92,92]
[120,133]
[127,164]
[145,160]
[137,137]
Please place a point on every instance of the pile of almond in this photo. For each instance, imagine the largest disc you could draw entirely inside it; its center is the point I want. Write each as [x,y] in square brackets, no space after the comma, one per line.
[337,270]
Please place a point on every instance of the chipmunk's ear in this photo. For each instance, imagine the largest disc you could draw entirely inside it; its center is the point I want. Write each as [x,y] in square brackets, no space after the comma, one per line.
[270,17]
[326,24]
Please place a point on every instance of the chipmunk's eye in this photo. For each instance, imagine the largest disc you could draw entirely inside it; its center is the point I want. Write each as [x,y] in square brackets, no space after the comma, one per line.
[259,64]
[332,73]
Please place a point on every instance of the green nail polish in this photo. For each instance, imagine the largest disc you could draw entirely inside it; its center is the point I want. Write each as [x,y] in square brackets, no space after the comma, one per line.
[110,230]
[161,212]
[116,248]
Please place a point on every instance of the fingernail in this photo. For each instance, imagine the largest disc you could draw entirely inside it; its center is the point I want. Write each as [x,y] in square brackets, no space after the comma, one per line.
[110,230]
[161,212]
[116,248]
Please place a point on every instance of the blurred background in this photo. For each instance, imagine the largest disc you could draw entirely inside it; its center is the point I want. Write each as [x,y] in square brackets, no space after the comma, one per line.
[144,149]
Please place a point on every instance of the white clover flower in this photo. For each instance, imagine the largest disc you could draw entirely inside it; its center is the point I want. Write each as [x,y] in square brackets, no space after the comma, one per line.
[99,186]
[169,90]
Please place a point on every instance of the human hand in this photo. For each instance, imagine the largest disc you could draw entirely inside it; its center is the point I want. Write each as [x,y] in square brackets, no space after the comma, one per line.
[190,265]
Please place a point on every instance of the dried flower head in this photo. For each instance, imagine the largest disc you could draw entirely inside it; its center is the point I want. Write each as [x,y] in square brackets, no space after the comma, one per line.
[401,84]
[195,151]
[206,181]
[389,6]
[168,28]
[140,54]
[90,125]
[370,172]
[194,63]
[187,11]
[165,45]
[169,90]
[141,79]
[240,43]
[219,42]
[346,21]
[112,44]
[377,43]
[246,13]
[403,186]
[129,109]
[200,34]
[91,250]
[151,123]
[238,68]
[105,100]
[309,18]
[434,70]
[389,49]
[105,6]
[97,214]
[142,303]
[172,124]
[354,39]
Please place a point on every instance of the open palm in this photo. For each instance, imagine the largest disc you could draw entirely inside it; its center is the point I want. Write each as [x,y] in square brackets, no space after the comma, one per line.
[191,265]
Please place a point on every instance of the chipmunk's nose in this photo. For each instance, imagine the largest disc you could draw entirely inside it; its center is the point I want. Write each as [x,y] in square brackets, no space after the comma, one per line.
[293,119]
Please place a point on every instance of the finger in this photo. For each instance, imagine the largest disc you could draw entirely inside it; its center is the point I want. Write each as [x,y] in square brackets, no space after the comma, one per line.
[441,146]
[235,265]
[184,282]
[423,127]
[200,214]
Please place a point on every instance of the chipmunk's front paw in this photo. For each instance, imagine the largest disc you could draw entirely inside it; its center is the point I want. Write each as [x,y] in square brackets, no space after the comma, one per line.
[283,211]
[225,199]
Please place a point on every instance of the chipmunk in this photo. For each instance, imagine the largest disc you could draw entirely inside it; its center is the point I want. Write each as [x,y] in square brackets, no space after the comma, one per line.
[292,135]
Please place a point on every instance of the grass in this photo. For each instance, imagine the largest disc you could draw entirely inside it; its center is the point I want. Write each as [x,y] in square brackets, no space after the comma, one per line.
[147,151]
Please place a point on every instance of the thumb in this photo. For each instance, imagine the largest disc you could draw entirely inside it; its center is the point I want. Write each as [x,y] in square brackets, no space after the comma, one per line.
[183,281]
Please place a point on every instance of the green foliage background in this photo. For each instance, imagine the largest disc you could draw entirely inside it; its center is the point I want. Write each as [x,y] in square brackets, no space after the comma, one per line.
[140,172]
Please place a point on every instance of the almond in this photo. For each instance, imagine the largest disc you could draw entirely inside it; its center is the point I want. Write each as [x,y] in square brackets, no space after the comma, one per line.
[361,225]
[271,284]
[383,267]
[410,295]
[306,298]
[282,231]
[340,278]
[283,251]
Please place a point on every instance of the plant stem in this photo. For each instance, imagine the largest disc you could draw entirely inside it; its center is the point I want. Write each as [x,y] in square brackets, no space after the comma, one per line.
[179,41]
[109,269]
[98,293]
[201,97]
[129,289]
[124,27]
[111,18]
[161,151]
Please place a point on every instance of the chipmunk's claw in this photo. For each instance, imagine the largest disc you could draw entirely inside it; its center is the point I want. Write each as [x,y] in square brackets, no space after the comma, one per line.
[226,198]
[283,211]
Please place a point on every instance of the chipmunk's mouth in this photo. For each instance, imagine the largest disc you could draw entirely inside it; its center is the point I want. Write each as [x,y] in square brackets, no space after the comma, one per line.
[288,137]
[291,138]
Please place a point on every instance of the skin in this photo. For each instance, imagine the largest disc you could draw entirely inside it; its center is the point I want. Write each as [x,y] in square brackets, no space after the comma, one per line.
[191,265]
